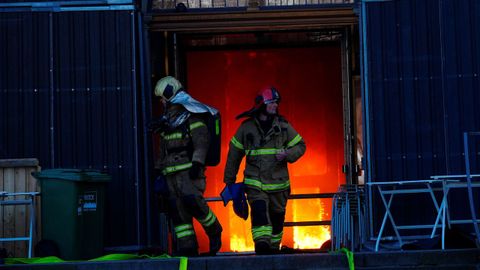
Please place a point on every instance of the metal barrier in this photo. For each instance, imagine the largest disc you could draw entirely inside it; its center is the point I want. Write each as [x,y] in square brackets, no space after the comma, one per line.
[202,4]
[296,197]
[9,199]
[313,222]
[348,228]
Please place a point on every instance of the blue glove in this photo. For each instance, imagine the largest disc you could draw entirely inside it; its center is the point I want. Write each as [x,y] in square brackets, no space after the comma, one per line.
[229,191]
[240,207]
[236,193]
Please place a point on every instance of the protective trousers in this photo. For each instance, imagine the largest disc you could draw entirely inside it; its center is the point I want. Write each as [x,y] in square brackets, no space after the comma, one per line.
[186,202]
[268,216]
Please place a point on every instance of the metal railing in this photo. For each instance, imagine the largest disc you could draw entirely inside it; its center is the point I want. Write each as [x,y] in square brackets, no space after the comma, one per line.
[297,197]
[199,4]
[313,222]
[12,199]
[349,228]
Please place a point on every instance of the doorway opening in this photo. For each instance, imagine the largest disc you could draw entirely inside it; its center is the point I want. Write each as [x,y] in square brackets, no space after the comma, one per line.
[312,71]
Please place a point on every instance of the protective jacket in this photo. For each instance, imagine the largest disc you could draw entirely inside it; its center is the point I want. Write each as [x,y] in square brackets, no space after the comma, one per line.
[184,144]
[263,171]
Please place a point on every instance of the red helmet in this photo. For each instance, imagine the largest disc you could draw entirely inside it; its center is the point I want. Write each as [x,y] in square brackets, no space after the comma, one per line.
[266,96]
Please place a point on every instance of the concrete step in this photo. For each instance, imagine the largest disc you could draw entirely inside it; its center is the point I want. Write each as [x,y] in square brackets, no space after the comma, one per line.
[420,260]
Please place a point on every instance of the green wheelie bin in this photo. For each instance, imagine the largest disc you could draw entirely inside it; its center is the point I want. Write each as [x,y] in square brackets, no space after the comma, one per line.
[72,206]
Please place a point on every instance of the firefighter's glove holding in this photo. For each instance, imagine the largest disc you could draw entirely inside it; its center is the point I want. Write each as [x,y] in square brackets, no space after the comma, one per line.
[158,125]
[240,205]
[281,155]
[237,191]
[195,170]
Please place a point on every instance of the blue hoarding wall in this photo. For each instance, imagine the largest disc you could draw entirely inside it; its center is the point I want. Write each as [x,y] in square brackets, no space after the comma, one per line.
[62,5]
[421,62]
[68,96]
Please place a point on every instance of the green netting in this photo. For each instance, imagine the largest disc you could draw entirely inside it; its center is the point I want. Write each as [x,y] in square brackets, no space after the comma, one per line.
[109,257]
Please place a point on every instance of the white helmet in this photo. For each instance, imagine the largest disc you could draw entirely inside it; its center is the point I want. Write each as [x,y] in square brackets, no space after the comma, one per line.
[167,87]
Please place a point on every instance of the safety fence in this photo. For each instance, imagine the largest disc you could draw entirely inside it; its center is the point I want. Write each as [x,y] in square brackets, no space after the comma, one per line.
[199,4]
[349,228]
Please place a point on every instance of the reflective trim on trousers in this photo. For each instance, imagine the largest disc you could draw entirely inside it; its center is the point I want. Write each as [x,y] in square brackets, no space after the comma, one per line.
[209,219]
[184,230]
[261,231]
[276,238]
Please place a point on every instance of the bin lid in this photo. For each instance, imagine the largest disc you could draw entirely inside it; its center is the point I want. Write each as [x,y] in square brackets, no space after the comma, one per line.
[72,175]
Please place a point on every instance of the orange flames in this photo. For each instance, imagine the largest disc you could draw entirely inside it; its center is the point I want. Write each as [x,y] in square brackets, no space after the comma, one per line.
[304,237]
[309,237]
[240,236]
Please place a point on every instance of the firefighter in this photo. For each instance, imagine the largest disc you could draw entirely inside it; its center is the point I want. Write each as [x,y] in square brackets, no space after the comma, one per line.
[183,148]
[269,142]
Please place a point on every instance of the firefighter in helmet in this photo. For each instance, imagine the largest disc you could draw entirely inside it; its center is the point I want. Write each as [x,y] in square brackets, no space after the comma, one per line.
[183,149]
[269,142]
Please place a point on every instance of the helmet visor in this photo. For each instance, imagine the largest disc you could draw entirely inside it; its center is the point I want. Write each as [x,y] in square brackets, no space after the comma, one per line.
[276,100]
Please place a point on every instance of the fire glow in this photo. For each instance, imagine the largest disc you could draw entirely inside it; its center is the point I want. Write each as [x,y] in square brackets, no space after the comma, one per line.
[309,237]
[304,237]
[311,101]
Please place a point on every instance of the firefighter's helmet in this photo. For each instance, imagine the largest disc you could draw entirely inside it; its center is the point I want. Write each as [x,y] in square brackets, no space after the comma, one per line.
[266,96]
[167,87]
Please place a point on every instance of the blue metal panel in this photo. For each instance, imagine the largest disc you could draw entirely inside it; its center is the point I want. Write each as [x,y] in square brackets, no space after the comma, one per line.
[422,84]
[62,5]
[24,86]
[63,2]
[461,75]
[68,97]
[401,90]
[423,75]
[95,107]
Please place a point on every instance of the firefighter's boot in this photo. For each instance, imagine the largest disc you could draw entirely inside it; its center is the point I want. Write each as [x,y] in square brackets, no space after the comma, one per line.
[262,248]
